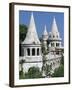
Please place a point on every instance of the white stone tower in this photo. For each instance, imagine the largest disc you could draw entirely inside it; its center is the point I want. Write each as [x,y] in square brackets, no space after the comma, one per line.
[32,47]
[54,37]
[45,37]
[44,47]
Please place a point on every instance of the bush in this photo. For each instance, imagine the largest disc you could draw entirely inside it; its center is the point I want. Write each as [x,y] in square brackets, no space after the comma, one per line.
[33,72]
[62,60]
[22,31]
[59,72]
[21,74]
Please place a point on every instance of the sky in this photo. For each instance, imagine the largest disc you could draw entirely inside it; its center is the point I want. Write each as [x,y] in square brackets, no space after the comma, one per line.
[43,18]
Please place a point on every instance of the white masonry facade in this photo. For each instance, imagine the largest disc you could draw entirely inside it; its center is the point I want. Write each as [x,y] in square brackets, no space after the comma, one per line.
[32,47]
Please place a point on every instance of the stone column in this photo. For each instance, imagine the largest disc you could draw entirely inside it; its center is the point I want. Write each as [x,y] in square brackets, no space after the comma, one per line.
[30,51]
[39,51]
[25,51]
[35,51]
[55,44]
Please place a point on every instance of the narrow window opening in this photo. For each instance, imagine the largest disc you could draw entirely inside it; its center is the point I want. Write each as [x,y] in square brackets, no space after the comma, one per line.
[37,51]
[33,52]
[28,52]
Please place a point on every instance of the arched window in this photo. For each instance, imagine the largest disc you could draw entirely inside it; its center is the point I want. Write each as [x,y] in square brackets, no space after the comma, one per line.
[52,44]
[49,36]
[57,52]
[57,36]
[53,36]
[28,52]
[37,51]
[22,51]
[57,44]
[33,51]
[58,61]
[51,66]
[54,63]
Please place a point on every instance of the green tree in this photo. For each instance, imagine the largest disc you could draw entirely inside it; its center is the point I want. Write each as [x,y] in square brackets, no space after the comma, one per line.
[59,72]
[33,72]
[22,35]
[22,31]
[21,63]
[62,60]
[21,73]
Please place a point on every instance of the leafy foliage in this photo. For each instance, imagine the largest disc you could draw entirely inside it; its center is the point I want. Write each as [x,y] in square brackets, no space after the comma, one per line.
[22,35]
[21,74]
[59,72]
[22,32]
[33,72]
[62,60]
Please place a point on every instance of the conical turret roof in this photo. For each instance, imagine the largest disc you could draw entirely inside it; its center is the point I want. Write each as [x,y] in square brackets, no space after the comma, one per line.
[54,34]
[31,36]
[54,26]
[45,31]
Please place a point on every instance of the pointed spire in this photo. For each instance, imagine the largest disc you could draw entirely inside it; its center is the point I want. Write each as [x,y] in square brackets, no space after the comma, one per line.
[54,26]
[45,31]
[54,32]
[32,22]
[31,36]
